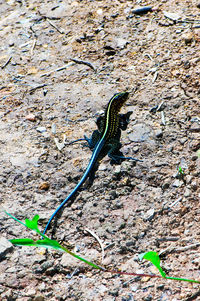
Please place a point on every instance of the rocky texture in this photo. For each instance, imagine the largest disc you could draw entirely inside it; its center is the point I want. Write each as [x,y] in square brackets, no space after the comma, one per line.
[133,208]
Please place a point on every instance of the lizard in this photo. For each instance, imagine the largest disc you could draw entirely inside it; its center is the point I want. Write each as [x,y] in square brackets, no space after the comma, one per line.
[104,141]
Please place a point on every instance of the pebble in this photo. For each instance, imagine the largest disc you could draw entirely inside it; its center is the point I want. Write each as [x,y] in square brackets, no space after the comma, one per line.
[159,133]
[166,185]
[121,43]
[187,37]
[108,261]
[30,117]
[188,179]
[39,298]
[187,192]
[117,170]
[183,140]
[172,16]
[148,216]
[5,247]
[31,292]
[194,185]
[53,128]
[177,183]
[41,129]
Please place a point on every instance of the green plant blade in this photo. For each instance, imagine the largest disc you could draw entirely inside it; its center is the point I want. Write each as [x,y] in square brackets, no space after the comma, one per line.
[22,242]
[14,218]
[82,259]
[33,224]
[183,279]
[47,243]
[153,257]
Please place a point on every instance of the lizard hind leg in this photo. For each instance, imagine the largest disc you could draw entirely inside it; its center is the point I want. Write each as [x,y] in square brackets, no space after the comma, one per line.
[116,155]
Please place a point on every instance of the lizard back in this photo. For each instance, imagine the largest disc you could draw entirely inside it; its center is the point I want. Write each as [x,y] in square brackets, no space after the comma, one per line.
[111,118]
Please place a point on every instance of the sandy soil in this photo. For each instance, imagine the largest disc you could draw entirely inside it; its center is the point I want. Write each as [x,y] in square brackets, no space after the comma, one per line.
[133,208]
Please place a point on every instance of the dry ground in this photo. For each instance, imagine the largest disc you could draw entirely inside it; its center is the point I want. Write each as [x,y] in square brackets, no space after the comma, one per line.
[132,208]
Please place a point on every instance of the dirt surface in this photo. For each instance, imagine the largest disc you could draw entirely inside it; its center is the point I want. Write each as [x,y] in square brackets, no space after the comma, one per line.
[132,208]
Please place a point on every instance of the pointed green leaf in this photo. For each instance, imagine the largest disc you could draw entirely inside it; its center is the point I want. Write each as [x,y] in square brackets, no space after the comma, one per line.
[33,224]
[22,242]
[153,257]
[38,243]
[48,243]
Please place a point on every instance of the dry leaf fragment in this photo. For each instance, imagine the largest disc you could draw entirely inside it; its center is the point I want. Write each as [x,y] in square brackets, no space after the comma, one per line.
[44,186]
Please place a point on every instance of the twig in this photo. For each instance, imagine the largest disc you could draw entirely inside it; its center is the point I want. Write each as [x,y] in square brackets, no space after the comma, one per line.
[99,241]
[193,297]
[56,27]
[181,249]
[84,63]
[149,56]
[33,46]
[163,118]
[175,202]
[160,106]
[55,70]
[37,87]
[155,76]
[7,62]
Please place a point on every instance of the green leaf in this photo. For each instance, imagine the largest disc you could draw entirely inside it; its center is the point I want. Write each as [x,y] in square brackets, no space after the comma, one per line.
[22,242]
[33,224]
[47,243]
[153,257]
[181,171]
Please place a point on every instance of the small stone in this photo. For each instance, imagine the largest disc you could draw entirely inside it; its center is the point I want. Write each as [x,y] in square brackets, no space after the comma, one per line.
[5,247]
[188,179]
[107,261]
[31,292]
[187,192]
[39,298]
[121,43]
[41,129]
[149,214]
[165,185]
[194,185]
[130,243]
[134,288]
[177,183]
[30,117]
[135,149]
[172,16]
[187,37]
[117,170]
[183,140]
[159,133]
[160,163]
